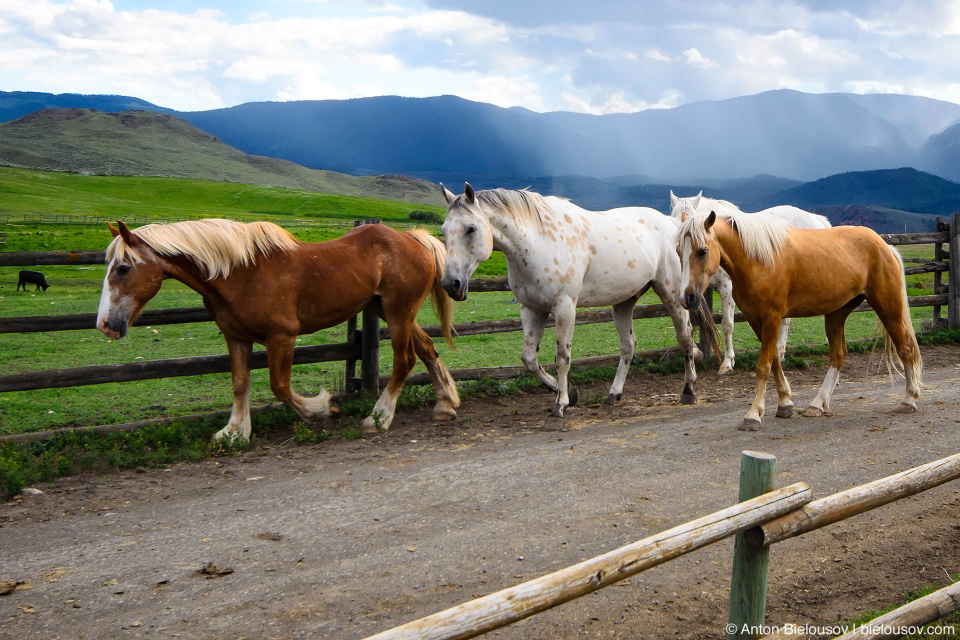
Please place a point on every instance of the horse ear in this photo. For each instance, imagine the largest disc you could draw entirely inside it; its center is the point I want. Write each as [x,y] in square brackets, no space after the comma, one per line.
[708,223]
[697,201]
[447,194]
[113,230]
[468,193]
[128,237]
[673,199]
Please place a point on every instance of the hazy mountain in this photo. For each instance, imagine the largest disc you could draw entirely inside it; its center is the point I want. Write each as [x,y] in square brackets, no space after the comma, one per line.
[940,154]
[144,143]
[783,133]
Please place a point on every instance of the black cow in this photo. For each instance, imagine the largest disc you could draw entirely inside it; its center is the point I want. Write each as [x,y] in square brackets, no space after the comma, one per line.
[32,277]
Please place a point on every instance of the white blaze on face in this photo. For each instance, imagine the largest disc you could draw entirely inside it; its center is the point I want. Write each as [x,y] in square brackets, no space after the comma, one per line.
[103,311]
[686,248]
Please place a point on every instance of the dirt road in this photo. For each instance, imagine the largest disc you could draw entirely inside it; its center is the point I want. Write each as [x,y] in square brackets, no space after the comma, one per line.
[344,539]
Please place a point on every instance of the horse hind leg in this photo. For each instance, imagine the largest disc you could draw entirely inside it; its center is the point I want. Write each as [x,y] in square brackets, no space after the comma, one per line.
[683,329]
[834,325]
[724,287]
[404,358]
[444,388]
[898,325]
[782,337]
[623,321]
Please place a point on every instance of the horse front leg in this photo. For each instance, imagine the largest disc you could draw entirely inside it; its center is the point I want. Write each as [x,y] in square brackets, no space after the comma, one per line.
[239,425]
[404,357]
[724,287]
[533,323]
[565,314]
[683,329]
[767,332]
[623,321]
[280,358]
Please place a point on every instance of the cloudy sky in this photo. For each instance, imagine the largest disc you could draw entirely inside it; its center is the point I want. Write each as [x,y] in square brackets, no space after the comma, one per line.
[593,56]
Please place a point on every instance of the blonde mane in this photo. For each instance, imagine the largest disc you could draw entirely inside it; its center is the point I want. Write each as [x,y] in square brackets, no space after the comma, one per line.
[217,246]
[762,237]
[524,206]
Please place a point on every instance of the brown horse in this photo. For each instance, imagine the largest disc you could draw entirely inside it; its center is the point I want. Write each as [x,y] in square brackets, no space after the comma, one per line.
[262,285]
[782,272]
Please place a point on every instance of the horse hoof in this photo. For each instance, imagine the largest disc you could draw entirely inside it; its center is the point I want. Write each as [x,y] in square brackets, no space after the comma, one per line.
[905,408]
[573,395]
[608,405]
[749,424]
[813,412]
[554,423]
[445,415]
[724,370]
[688,396]
[785,412]
[334,412]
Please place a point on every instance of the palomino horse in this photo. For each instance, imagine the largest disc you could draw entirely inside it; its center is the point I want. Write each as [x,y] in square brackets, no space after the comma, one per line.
[681,207]
[262,285]
[559,257]
[779,271]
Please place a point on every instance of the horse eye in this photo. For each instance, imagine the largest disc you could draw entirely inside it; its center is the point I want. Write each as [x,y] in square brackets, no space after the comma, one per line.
[702,252]
[471,230]
[122,269]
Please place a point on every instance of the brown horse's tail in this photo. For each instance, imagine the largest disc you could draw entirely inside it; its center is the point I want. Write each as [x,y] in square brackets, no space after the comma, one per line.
[889,349]
[702,318]
[441,302]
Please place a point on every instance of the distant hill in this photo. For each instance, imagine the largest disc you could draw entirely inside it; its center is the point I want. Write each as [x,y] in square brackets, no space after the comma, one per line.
[146,143]
[784,133]
[904,189]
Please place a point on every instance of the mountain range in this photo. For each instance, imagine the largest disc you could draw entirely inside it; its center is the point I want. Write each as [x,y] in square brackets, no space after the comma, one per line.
[784,133]
[577,156]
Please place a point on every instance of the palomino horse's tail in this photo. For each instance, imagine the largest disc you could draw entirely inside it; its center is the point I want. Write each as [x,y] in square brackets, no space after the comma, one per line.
[441,302]
[889,349]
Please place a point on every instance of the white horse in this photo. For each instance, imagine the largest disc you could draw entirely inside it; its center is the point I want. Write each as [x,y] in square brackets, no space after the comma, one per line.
[559,257]
[792,216]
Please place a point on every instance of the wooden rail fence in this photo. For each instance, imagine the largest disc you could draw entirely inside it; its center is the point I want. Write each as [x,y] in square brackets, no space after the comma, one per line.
[363,342]
[798,515]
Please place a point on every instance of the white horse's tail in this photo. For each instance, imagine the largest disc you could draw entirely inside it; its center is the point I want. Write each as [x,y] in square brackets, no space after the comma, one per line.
[889,350]
[441,302]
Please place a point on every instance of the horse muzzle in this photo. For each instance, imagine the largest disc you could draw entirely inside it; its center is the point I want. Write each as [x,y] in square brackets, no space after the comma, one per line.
[690,300]
[113,327]
[455,287]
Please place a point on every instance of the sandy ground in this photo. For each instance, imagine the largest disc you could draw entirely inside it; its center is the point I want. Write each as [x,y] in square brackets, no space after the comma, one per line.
[344,538]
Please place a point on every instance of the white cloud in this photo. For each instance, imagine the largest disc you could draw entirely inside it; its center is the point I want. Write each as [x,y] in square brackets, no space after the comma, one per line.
[653,54]
[695,59]
[506,92]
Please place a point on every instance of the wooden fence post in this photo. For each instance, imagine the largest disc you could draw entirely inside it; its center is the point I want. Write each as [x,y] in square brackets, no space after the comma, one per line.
[370,346]
[350,366]
[953,290]
[369,340]
[748,584]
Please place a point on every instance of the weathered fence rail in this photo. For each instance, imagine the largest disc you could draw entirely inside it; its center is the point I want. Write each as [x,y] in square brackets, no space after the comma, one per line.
[479,616]
[942,296]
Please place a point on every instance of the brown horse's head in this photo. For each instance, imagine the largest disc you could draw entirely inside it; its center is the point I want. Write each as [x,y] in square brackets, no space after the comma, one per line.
[699,258]
[134,276]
